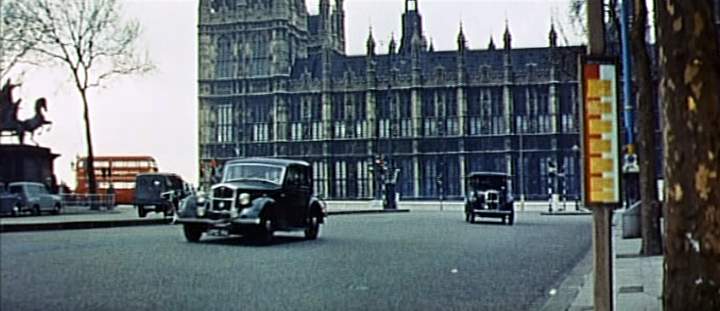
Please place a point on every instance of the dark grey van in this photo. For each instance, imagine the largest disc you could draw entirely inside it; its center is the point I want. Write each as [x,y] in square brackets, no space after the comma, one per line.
[158,192]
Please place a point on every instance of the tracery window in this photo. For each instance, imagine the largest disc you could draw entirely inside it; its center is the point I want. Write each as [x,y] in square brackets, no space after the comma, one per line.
[224,63]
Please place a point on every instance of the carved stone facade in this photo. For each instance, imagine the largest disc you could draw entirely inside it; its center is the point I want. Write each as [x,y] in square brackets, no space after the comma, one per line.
[275,81]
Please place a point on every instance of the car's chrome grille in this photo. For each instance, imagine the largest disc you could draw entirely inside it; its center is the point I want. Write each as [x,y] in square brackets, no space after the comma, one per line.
[223,193]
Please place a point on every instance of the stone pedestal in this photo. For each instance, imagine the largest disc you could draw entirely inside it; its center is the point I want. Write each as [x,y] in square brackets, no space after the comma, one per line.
[27,163]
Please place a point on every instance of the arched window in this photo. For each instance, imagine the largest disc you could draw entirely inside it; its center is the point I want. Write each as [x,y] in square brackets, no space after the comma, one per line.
[224,64]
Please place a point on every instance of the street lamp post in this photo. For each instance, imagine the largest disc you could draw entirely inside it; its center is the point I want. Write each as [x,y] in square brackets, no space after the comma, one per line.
[521,167]
[391,172]
[576,175]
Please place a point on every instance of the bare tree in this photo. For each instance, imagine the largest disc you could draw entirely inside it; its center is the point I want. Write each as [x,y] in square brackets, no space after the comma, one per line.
[690,92]
[646,121]
[576,11]
[13,46]
[89,38]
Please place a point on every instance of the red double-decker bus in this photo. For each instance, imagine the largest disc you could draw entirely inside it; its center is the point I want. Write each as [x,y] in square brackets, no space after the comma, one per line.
[118,171]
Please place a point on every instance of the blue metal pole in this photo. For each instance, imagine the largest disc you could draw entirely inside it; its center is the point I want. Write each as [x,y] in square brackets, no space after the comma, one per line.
[627,78]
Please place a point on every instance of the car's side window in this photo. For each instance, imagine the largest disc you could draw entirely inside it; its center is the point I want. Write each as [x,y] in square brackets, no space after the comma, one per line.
[16,189]
[304,178]
[40,190]
[293,176]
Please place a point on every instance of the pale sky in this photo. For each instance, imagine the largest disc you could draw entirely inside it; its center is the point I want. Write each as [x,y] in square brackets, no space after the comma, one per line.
[156,114]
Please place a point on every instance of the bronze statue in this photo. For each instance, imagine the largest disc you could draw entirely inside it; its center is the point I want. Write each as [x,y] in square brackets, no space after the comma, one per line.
[9,121]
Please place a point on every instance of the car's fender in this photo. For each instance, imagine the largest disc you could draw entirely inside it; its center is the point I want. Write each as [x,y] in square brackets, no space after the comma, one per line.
[188,206]
[259,207]
[317,206]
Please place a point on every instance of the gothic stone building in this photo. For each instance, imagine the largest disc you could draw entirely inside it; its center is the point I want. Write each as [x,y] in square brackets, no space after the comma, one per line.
[275,81]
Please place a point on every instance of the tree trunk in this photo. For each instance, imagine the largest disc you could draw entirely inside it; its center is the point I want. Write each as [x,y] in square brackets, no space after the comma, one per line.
[690,61]
[90,165]
[650,211]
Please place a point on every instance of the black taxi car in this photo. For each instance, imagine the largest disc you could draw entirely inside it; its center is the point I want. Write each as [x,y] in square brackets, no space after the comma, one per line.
[488,195]
[256,197]
[159,193]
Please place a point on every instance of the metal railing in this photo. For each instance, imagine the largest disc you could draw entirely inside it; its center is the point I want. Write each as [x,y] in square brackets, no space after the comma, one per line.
[90,200]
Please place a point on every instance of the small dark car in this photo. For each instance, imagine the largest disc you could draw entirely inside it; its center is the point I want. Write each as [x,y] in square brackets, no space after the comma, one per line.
[488,195]
[256,197]
[34,197]
[162,191]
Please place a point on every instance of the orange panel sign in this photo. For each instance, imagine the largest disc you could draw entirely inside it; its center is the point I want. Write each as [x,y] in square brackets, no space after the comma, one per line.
[601,182]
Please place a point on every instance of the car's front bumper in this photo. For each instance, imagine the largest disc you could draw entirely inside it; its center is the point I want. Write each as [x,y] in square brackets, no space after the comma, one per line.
[491,212]
[237,223]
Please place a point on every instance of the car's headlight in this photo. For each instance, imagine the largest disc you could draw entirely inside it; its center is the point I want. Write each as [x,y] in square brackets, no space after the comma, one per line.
[472,197]
[244,199]
[201,200]
[200,210]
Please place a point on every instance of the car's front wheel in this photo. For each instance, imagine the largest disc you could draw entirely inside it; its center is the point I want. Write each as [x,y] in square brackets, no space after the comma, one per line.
[169,209]
[193,233]
[313,228]
[57,209]
[17,210]
[266,231]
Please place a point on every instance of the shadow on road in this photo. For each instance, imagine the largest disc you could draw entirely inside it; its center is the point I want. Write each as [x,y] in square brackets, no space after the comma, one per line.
[250,241]
[488,222]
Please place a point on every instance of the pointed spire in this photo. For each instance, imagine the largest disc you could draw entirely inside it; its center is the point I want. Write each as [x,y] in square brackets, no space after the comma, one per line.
[462,43]
[370,44]
[507,38]
[491,45]
[392,45]
[432,47]
[324,7]
[552,36]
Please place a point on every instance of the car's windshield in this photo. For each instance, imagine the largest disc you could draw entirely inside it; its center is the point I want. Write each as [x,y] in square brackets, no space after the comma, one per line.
[252,171]
[487,183]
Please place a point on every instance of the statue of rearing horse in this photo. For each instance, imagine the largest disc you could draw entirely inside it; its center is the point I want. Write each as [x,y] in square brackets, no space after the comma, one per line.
[9,122]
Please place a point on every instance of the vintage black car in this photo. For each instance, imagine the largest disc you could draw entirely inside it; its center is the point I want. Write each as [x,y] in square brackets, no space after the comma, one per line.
[159,192]
[256,197]
[488,195]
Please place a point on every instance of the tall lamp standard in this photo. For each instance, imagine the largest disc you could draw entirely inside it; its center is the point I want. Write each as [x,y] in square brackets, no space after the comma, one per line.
[576,175]
[391,171]
[521,169]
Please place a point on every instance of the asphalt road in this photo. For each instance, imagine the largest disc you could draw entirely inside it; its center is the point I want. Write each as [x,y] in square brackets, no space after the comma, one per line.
[410,261]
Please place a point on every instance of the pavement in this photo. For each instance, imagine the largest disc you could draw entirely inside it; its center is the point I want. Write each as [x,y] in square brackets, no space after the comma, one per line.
[638,280]
[421,260]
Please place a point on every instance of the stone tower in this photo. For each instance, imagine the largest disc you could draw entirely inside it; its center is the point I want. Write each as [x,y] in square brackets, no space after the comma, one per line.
[411,26]
[250,38]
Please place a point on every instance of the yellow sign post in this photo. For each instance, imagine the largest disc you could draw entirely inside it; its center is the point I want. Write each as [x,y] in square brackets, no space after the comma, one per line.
[601,177]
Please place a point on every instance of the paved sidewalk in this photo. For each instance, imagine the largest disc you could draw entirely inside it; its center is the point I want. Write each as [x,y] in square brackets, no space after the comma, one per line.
[637,279]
